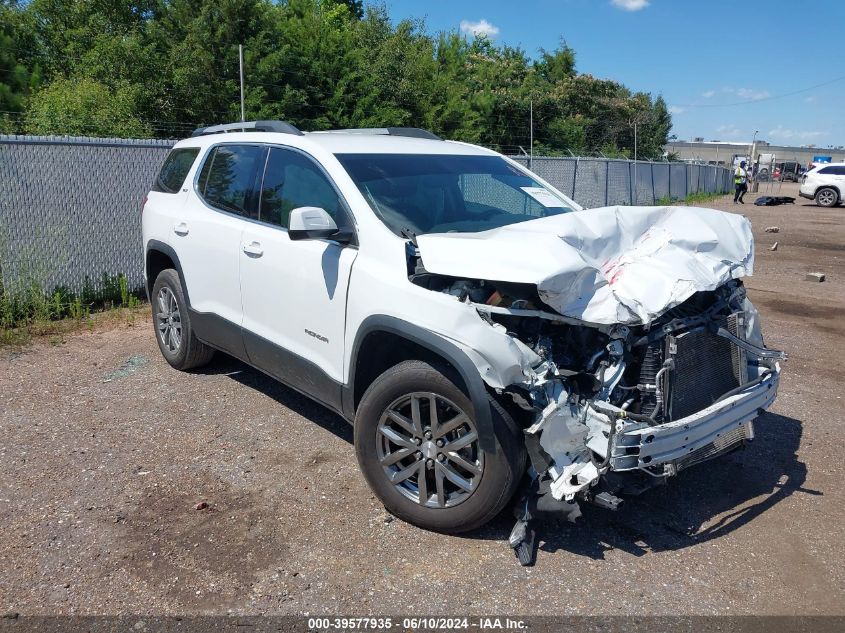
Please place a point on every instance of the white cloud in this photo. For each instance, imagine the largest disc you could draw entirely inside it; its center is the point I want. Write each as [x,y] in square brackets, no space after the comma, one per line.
[752,94]
[795,135]
[729,132]
[810,99]
[675,109]
[708,94]
[630,5]
[482,27]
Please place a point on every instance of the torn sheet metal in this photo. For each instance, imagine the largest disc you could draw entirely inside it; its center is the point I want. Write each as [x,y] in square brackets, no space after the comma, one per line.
[610,265]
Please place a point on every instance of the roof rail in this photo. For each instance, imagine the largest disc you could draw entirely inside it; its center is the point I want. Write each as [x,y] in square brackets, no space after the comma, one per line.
[249,126]
[414,132]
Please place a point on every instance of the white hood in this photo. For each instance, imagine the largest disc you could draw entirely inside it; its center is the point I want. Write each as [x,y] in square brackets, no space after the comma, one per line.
[609,265]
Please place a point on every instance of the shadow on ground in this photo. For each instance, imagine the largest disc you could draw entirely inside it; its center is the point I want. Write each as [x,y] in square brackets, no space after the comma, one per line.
[285,396]
[705,502]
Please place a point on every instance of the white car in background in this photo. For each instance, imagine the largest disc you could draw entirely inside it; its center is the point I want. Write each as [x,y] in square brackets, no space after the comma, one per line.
[825,184]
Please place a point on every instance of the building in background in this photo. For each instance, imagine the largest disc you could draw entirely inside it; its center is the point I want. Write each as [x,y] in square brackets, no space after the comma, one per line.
[767,156]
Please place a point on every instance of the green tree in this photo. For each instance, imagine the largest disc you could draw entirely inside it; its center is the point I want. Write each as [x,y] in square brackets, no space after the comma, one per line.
[84,107]
[162,67]
[19,72]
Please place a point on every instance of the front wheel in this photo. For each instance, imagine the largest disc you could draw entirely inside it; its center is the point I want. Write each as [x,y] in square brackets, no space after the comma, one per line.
[826,197]
[419,447]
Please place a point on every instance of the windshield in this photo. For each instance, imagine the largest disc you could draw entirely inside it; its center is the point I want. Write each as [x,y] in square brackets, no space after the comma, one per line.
[430,193]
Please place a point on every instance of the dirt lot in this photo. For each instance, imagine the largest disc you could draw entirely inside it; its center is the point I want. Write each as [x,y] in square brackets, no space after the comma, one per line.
[106,452]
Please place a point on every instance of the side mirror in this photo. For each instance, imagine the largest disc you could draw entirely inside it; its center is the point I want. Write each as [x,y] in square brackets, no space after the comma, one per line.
[309,223]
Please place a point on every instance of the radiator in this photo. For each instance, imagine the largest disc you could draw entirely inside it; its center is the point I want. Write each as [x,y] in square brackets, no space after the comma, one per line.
[706,366]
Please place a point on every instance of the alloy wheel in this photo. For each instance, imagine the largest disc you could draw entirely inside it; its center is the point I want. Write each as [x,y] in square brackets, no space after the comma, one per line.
[169,320]
[428,449]
[827,198]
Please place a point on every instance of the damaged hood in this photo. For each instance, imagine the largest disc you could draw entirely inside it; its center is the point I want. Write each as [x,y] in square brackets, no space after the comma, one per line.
[610,265]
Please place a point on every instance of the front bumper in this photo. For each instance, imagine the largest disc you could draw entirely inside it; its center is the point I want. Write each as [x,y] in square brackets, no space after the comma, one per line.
[705,434]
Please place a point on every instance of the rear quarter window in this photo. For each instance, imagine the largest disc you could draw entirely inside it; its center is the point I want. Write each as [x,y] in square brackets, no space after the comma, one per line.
[176,167]
[226,178]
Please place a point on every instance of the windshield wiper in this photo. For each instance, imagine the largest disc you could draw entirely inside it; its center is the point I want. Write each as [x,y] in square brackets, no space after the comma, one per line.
[409,234]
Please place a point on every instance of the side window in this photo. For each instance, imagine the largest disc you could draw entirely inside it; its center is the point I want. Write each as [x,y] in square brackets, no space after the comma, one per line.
[227,176]
[292,180]
[176,167]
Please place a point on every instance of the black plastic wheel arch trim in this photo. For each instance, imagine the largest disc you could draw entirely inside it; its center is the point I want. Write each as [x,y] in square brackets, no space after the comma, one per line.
[452,354]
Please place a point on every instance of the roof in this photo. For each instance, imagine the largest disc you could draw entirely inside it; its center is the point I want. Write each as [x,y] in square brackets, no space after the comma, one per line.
[354,143]
[345,142]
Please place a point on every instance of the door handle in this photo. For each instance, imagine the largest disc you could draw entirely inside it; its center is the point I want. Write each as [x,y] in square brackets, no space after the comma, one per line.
[253,249]
[181,229]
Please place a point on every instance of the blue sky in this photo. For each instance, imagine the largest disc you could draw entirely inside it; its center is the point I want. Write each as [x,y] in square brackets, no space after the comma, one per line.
[701,55]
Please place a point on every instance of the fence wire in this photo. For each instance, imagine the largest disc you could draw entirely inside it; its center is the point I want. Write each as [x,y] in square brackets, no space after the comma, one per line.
[70,207]
[596,182]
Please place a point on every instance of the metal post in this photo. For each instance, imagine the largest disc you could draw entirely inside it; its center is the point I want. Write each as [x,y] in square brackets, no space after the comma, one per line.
[653,192]
[754,185]
[634,188]
[531,132]
[241,60]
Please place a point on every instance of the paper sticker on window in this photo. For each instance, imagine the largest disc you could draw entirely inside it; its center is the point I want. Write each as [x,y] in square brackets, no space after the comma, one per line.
[543,196]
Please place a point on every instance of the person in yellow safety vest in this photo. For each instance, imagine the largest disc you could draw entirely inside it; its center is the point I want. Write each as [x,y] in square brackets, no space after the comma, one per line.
[740,183]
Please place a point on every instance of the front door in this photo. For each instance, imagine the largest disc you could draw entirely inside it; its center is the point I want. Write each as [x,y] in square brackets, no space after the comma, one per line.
[294,291]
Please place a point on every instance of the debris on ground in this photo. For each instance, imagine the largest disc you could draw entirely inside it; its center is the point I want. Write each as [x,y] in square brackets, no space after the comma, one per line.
[132,364]
[773,201]
[774,247]
[202,505]
[818,277]
[772,229]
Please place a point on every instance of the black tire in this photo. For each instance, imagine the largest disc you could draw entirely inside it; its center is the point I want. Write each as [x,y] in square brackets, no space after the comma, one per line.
[502,467]
[190,351]
[827,197]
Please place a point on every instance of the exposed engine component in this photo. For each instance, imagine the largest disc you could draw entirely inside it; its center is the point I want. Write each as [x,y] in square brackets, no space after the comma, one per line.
[597,390]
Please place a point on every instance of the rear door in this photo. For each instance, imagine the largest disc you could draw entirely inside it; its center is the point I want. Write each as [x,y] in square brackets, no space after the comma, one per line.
[208,241]
[294,291]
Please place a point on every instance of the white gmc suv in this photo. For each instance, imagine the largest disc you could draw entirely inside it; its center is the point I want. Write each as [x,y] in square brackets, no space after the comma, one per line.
[487,338]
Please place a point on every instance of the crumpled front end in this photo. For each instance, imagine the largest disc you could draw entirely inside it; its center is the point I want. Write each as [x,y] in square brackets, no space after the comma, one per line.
[639,353]
[651,400]
[613,410]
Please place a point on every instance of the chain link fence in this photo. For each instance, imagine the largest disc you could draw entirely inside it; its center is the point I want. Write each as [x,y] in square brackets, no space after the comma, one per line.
[70,210]
[600,182]
[70,207]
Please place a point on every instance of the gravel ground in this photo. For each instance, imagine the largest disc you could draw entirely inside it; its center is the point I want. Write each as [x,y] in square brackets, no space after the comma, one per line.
[106,453]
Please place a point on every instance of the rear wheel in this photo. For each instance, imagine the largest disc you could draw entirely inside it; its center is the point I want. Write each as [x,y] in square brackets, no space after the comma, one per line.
[175,337]
[827,197]
[419,447]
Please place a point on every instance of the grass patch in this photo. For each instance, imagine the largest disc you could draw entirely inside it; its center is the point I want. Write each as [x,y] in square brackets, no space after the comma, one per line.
[28,311]
[56,332]
[698,196]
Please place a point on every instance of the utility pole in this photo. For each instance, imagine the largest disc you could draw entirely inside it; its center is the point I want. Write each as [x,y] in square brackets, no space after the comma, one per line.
[634,187]
[241,60]
[531,133]
[754,185]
